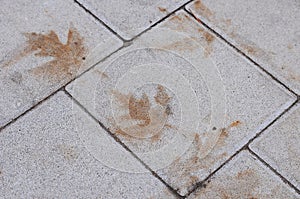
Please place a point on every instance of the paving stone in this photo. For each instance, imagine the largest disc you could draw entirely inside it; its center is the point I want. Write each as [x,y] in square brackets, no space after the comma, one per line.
[43,156]
[267,31]
[279,146]
[129,17]
[245,177]
[43,46]
[179,80]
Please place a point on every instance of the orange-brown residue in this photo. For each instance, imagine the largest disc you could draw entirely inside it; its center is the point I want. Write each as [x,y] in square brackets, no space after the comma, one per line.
[68,152]
[103,75]
[203,9]
[162,9]
[176,18]
[162,97]
[140,118]
[66,57]
[235,123]
[244,174]
[250,49]
[139,109]
[209,38]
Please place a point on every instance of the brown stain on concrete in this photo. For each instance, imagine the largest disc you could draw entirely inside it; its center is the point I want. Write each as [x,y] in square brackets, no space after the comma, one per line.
[102,75]
[209,38]
[67,58]
[198,5]
[161,9]
[139,109]
[162,97]
[185,169]
[149,117]
[68,152]
[241,185]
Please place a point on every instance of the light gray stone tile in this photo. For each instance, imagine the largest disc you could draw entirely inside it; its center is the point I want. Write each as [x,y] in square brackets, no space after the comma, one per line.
[207,85]
[43,45]
[42,155]
[267,31]
[279,146]
[245,177]
[129,17]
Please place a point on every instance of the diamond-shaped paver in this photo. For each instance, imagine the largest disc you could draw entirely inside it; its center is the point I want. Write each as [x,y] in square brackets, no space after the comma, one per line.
[44,45]
[129,17]
[245,177]
[165,84]
[42,156]
[279,146]
[267,31]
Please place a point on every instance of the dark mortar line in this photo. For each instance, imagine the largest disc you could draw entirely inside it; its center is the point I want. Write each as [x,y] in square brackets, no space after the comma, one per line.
[239,51]
[275,171]
[99,20]
[245,147]
[55,91]
[30,109]
[139,34]
[117,139]
[160,20]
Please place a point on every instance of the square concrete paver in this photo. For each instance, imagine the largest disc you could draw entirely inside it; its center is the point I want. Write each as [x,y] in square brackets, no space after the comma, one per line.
[279,146]
[178,85]
[245,177]
[267,31]
[129,17]
[44,45]
[42,155]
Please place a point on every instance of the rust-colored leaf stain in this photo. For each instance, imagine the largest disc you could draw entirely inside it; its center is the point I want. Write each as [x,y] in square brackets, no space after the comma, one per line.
[140,109]
[184,168]
[244,185]
[162,9]
[203,9]
[102,75]
[235,123]
[66,57]
[162,97]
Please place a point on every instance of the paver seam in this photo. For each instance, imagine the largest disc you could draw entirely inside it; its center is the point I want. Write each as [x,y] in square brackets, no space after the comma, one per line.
[246,147]
[56,91]
[274,171]
[239,51]
[138,35]
[173,191]
[126,43]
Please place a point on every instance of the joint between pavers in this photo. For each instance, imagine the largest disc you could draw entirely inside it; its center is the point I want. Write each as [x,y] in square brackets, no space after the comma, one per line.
[99,20]
[245,147]
[240,52]
[170,188]
[274,171]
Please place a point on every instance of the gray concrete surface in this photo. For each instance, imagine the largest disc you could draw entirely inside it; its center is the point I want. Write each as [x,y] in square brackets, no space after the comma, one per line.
[251,99]
[279,146]
[42,156]
[128,17]
[203,103]
[245,177]
[27,77]
[267,31]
